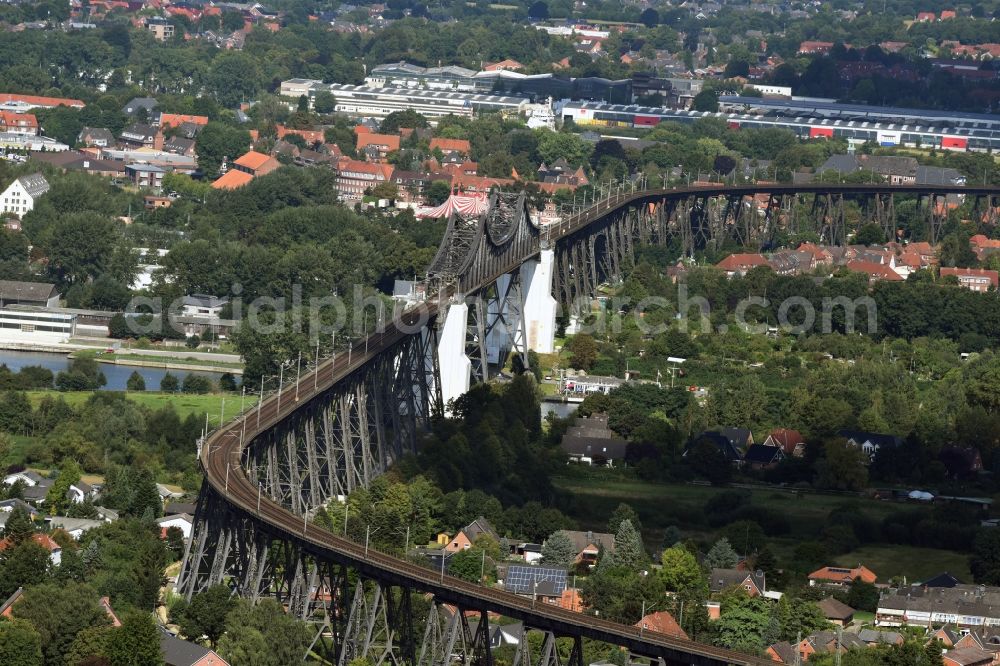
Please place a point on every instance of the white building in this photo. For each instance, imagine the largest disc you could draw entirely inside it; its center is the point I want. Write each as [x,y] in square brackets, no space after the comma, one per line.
[21,195]
[203,305]
[372,102]
[36,326]
[181,521]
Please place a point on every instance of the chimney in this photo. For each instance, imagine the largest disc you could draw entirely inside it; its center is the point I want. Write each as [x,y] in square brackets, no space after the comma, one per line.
[158,141]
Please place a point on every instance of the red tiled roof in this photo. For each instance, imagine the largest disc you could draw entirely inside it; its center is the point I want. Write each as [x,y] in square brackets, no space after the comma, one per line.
[36,100]
[446,145]
[252,160]
[390,142]
[994,276]
[43,540]
[310,136]
[844,575]
[174,119]
[232,179]
[11,119]
[662,622]
[737,262]
[873,270]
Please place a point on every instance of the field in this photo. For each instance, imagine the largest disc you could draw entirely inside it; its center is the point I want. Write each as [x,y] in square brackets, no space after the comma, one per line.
[594,494]
[184,403]
[914,563]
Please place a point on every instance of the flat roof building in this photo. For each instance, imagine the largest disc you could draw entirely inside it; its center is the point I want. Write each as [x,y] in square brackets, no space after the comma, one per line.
[380,102]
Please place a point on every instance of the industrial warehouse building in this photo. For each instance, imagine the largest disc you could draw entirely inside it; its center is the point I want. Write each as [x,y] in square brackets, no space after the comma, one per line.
[959,133]
[380,102]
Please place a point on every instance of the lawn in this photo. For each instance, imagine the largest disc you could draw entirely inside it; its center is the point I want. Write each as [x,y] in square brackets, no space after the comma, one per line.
[594,494]
[915,563]
[184,403]
[663,504]
[156,361]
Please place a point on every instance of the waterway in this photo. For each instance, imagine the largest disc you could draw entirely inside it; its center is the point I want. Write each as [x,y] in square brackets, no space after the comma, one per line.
[117,375]
[560,409]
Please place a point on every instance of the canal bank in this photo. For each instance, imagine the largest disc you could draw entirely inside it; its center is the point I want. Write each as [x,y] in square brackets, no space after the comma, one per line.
[116,375]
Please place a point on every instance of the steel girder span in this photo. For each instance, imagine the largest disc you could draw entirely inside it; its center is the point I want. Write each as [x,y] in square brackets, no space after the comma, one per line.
[343,424]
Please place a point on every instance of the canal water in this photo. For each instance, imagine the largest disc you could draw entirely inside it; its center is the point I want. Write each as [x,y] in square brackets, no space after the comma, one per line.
[117,375]
[560,409]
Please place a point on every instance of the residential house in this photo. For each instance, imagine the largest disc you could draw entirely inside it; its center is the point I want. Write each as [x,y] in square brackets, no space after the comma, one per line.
[179,145]
[141,135]
[161,28]
[983,638]
[875,272]
[501,634]
[144,175]
[26,477]
[973,279]
[166,493]
[450,146]
[21,103]
[71,160]
[811,47]
[739,263]
[871,637]
[377,146]
[203,305]
[836,611]
[870,442]
[926,17]
[943,579]
[231,180]
[21,195]
[256,164]
[782,653]
[96,137]
[43,540]
[354,177]
[140,105]
[825,642]
[589,440]
[968,657]
[724,444]
[75,527]
[589,545]
[761,456]
[467,536]
[38,294]
[841,576]
[507,65]
[311,137]
[753,582]
[181,521]
[18,123]
[790,442]
[965,607]
[662,622]
[177,652]
[180,120]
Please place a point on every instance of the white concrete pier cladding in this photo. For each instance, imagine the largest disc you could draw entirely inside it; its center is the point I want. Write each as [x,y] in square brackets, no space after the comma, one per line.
[539,304]
[453,364]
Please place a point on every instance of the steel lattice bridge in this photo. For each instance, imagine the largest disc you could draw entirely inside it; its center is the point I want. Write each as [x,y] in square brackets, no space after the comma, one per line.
[344,423]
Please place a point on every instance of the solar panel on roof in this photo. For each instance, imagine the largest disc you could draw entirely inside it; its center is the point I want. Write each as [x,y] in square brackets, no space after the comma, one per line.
[522,579]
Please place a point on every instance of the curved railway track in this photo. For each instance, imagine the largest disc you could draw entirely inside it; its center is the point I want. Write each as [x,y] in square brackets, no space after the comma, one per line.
[222,451]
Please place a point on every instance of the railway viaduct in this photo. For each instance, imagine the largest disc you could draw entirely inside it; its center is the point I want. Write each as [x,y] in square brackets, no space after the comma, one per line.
[493,288]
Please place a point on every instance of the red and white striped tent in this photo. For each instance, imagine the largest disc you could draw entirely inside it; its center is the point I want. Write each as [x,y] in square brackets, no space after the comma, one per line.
[471,205]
